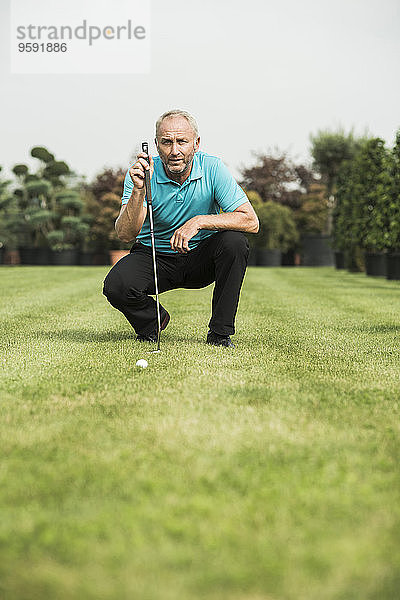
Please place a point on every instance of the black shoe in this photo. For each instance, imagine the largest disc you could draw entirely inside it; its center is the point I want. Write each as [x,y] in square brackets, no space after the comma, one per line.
[152,337]
[149,337]
[219,340]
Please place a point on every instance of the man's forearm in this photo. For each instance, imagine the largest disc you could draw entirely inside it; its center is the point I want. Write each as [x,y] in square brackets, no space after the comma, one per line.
[235,221]
[131,218]
[242,219]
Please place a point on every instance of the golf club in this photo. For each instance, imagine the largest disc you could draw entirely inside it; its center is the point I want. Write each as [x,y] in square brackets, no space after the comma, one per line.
[145,150]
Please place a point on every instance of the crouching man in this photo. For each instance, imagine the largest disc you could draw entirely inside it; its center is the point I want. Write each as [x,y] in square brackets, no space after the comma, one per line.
[196,243]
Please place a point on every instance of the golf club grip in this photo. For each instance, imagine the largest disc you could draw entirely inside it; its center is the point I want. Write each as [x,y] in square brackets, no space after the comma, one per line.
[145,150]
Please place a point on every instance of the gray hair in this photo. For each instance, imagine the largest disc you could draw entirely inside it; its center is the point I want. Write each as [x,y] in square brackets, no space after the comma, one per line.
[180,113]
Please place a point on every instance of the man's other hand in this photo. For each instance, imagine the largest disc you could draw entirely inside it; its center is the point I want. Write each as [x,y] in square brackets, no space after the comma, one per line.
[180,240]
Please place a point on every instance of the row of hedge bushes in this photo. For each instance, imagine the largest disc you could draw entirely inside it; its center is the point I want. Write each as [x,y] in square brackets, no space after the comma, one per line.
[366,215]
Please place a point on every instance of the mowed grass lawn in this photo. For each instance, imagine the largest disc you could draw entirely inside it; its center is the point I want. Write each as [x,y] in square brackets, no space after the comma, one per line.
[264,473]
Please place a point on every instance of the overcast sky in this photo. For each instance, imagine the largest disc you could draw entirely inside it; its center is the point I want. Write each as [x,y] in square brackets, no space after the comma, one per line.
[256,74]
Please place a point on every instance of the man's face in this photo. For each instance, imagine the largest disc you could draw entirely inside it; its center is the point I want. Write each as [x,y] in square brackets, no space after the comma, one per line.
[177,144]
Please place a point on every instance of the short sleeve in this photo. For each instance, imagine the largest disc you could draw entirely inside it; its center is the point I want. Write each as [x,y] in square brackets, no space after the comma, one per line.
[227,193]
[128,188]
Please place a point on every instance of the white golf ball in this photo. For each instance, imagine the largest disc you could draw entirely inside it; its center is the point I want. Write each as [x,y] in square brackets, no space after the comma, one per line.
[142,363]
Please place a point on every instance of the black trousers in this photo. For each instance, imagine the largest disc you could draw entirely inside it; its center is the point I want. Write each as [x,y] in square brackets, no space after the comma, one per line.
[222,258]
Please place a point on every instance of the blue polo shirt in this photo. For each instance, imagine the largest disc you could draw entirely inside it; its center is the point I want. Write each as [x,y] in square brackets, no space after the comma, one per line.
[209,189]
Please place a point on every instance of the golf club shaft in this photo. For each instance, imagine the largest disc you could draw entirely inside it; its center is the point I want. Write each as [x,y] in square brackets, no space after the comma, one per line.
[145,149]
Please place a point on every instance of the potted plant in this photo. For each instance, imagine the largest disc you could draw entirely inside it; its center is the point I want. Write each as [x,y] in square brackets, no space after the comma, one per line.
[370,198]
[312,221]
[348,253]
[37,201]
[277,233]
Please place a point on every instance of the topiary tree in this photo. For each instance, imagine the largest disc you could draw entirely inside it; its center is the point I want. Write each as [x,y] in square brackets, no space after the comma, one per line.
[42,208]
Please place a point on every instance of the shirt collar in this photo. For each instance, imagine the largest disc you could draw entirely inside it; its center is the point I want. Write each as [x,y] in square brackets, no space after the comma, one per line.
[195,173]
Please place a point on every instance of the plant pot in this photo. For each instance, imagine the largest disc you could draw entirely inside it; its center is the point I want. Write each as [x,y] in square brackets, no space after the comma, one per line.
[102,259]
[317,251]
[252,260]
[64,257]
[375,264]
[393,265]
[269,258]
[339,259]
[35,256]
[11,257]
[288,258]
[85,259]
[93,259]
[354,259]
[116,255]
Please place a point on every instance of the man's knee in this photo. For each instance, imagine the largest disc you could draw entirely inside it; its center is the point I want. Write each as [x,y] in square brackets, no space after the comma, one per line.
[233,242]
[118,292]
[112,286]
